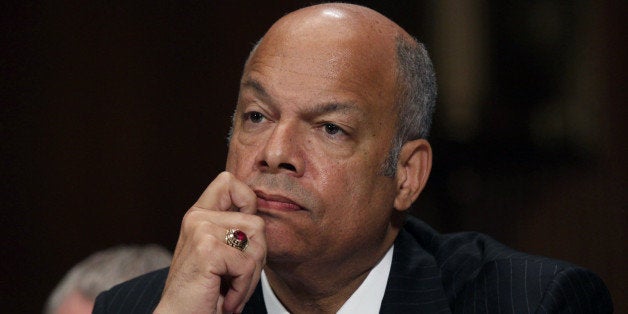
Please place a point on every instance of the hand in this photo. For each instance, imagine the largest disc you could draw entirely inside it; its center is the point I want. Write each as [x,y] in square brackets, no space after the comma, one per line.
[207,275]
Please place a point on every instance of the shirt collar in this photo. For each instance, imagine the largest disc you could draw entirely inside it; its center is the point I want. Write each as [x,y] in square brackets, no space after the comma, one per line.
[366,299]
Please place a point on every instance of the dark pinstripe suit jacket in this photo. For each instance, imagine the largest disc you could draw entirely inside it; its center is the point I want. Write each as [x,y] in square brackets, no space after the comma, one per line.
[434,273]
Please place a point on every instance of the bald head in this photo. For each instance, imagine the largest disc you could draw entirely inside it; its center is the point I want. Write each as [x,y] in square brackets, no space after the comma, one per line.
[343,34]
[340,21]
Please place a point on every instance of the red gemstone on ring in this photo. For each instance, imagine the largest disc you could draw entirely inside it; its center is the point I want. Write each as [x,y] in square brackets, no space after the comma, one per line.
[236,239]
[239,235]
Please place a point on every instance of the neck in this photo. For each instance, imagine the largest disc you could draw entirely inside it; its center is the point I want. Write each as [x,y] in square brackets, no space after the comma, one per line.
[322,287]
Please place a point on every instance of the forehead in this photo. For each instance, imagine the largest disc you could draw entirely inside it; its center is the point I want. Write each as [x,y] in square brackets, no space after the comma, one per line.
[305,60]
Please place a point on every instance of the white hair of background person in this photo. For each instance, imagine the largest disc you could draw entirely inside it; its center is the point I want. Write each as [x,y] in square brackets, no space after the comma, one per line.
[105,269]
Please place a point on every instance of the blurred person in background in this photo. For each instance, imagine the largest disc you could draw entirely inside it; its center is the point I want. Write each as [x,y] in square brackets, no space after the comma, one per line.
[76,292]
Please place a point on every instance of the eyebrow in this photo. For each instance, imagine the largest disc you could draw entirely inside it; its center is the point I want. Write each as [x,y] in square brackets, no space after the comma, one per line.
[319,109]
[256,85]
[325,108]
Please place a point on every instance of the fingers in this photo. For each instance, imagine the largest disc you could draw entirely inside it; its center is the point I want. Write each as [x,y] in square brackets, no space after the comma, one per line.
[239,270]
[196,278]
[227,191]
[241,278]
[206,273]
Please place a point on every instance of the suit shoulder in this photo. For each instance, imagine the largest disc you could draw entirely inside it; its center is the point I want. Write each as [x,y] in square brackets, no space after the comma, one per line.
[575,290]
[482,274]
[138,295]
[454,250]
[534,285]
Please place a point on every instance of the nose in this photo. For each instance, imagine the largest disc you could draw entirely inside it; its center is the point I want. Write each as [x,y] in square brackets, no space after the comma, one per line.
[282,153]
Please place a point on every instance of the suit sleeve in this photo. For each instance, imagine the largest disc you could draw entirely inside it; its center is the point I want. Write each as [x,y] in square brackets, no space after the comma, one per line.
[575,290]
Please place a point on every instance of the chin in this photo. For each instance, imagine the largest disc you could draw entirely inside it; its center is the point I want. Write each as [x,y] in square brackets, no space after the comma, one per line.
[282,241]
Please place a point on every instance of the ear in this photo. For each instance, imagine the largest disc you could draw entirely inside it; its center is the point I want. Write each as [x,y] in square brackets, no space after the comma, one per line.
[413,169]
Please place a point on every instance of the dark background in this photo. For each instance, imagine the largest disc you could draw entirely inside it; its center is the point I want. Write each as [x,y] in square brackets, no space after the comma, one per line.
[114,118]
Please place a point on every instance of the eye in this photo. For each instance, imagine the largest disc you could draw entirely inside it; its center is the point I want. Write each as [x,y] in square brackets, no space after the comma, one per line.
[254,116]
[332,129]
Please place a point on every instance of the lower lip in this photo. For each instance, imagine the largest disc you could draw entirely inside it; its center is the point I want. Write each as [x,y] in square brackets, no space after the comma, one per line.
[287,207]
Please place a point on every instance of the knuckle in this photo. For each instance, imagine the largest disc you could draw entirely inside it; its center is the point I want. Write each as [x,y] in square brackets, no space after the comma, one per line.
[187,220]
[206,249]
[256,223]
[191,219]
[206,245]
[225,177]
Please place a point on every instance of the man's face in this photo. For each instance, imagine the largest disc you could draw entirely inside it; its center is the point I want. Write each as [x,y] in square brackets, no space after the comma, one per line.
[313,126]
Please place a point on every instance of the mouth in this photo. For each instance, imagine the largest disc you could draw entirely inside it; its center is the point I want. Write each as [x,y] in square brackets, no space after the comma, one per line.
[275,202]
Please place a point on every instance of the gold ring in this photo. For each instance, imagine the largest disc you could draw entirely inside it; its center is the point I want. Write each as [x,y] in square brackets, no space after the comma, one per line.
[237,239]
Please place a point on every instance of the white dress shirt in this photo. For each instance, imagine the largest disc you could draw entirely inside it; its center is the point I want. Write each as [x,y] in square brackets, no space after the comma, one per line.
[366,299]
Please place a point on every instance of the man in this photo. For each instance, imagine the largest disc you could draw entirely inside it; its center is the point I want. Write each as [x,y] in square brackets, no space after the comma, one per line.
[327,152]
[76,292]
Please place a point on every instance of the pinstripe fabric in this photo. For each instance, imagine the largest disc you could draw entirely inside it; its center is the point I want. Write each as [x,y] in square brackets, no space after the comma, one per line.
[472,273]
[142,294]
[434,273]
[139,295]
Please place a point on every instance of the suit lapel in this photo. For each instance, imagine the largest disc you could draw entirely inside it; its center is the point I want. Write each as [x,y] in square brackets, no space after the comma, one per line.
[415,283]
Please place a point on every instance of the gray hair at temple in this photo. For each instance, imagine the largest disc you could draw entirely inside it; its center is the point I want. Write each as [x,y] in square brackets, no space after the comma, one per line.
[415,100]
[105,269]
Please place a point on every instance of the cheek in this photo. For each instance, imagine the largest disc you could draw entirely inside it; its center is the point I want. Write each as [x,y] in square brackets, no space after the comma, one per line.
[356,185]
[239,158]
[233,157]
[343,183]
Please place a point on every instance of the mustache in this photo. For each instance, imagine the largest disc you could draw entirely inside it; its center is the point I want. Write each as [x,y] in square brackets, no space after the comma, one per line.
[281,184]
